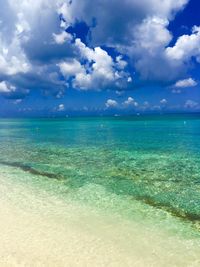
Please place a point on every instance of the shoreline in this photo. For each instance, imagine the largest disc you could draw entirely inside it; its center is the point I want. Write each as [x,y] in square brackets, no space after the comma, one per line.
[39,229]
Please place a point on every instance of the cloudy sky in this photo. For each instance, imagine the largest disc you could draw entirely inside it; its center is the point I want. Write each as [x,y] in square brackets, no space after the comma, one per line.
[60,57]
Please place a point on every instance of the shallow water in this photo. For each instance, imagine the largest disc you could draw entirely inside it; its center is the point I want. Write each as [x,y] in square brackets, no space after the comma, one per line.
[142,172]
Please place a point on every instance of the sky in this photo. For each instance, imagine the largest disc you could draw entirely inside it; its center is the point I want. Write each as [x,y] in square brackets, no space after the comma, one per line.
[99,57]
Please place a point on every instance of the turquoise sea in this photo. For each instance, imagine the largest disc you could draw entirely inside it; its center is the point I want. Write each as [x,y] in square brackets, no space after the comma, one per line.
[145,169]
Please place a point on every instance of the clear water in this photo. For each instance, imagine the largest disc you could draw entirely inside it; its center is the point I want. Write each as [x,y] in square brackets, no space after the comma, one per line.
[145,169]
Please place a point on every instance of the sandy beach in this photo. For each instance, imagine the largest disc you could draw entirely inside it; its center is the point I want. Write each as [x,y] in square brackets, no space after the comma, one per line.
[39,229]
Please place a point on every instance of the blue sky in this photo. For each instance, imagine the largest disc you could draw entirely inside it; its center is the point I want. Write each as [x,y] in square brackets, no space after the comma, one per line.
[99,57]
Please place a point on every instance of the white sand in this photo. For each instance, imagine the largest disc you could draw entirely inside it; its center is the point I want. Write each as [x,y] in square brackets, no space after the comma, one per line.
[37,229]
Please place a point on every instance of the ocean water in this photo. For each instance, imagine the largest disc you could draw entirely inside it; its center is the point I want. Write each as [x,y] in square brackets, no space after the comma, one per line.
[144,170]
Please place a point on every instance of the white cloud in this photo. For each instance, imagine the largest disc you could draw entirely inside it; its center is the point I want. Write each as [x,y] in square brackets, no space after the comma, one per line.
[6,87]
[62,37]
[65,9]
[163,101]
[190,104]
[126,15]
[130,102]
[102,63]
[12,58]
[142,33]
[152,35]
[121,63]
[70,67]
[61,107]
[3,87]
[94,69]
[110,103]
[129,80]
[73,68]
[187,46]
[35,41]
[185,83]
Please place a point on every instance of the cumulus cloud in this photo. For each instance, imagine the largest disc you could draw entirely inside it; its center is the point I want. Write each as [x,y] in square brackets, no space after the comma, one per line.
[94,69]
[61,107]
[186,47]
[163,101]
[110,103]
[191,104]
[138,24]
[36,43]
[62,37]
[185,83]
[10,91]
[12,58]
[5,88]
[28,50]
[105,15]
[70,67]
[130,102]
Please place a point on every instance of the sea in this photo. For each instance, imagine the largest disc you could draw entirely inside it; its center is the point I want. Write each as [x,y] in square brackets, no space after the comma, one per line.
[132,182]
